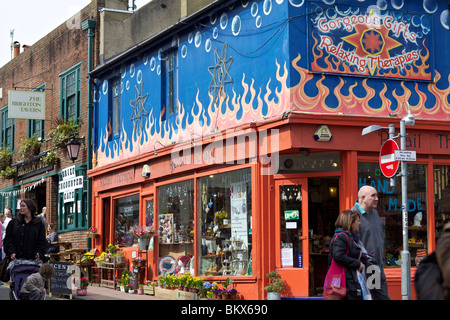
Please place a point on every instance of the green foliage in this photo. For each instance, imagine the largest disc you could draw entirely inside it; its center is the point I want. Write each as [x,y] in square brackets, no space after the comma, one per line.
[29,147]
[63,132]
[50,158]
[5,157]
[275,282]
[8,173]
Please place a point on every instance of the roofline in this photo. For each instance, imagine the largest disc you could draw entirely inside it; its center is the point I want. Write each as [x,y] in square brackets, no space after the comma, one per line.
[181,24]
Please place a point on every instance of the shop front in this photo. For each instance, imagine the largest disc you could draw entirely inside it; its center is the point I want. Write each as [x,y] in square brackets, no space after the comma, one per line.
[219,220]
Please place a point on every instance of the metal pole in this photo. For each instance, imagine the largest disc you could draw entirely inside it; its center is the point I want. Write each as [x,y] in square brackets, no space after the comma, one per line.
[405,255]
[391,136]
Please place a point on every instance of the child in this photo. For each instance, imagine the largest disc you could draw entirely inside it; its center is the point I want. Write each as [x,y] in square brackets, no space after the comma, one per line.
[34,286]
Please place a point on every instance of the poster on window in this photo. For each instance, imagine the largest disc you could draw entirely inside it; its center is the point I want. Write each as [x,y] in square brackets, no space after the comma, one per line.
[239,229]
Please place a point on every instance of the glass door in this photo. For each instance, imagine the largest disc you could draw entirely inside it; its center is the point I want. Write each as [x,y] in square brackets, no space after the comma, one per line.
[292,220]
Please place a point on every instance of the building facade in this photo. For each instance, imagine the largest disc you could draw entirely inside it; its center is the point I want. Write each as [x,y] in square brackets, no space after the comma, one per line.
[236,131]
[44,100]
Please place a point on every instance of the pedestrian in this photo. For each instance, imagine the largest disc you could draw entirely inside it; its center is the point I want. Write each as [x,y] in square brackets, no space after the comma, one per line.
[52,236]
[8,217]
[28,240]
[443,259]
[34,287]
[2,235]
[372,235]
[344,239]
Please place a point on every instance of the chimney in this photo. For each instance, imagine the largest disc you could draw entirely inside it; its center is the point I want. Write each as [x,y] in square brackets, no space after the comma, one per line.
[16,48]
[25,47]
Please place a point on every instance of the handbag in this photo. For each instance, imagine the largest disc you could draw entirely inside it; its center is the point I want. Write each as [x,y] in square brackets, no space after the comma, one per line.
[334,287]
[4,273]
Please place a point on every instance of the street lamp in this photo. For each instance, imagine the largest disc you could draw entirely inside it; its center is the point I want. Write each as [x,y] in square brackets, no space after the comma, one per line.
[73,147]
[408,120]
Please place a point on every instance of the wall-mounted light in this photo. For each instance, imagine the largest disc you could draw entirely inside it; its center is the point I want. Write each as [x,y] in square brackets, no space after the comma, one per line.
[73,147]
[154,147]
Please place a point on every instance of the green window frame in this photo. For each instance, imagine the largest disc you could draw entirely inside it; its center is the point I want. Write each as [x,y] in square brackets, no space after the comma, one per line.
[70,93]
[36,126]
[7,129]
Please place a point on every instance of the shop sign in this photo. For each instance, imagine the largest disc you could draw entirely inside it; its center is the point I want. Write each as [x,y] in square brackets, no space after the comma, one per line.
[69,184]
[26,105]
[32,168]
[366,41]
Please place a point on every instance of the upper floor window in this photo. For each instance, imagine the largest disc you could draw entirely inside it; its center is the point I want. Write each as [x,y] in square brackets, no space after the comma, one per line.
[70,93]
[7,129]
[169,86]
[114,113]
[36,126]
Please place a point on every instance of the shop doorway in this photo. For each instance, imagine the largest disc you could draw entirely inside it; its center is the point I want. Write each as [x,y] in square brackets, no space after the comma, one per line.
[308,208]
[323,209]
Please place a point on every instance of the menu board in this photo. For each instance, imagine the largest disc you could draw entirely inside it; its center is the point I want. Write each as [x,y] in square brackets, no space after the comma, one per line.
[59,282]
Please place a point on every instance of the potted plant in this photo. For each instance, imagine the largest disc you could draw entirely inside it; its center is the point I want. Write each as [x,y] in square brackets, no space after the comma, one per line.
[51,158]
[84,282]
[29,147]
[141,289]
[275,286]
[125,280]
[143,234]
[64,131]
[5,157]
[8,173]
[92,232]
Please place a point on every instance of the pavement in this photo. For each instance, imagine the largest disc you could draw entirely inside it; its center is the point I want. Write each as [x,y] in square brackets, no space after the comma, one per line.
[94,292]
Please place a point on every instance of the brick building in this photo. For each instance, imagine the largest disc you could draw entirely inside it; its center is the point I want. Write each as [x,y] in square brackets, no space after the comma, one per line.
[55,65]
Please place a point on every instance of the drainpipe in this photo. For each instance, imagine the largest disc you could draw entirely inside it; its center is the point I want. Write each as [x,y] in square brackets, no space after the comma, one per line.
[90,26]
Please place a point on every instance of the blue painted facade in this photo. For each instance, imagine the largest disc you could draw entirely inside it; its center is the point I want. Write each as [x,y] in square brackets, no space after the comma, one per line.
[255,60]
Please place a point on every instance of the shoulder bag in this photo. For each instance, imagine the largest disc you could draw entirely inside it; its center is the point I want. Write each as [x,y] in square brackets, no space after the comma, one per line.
[334,287]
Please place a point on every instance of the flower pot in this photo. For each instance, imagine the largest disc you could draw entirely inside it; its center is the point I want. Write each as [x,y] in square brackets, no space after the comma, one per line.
[140,291]
[273,296]
[143,243]
[131,291]
[81,292]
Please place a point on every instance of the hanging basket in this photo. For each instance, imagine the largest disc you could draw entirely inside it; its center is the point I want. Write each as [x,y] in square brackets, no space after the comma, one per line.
[91,235]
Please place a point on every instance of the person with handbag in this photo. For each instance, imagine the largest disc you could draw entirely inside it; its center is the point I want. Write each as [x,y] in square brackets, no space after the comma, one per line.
[25,239]
[346,253]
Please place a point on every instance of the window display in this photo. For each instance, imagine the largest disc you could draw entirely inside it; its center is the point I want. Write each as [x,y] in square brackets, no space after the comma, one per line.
[390,210]
[225,225]
[126,216]
[176,226]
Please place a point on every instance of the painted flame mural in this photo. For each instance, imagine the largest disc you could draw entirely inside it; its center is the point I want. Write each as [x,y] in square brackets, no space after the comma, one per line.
[245,65]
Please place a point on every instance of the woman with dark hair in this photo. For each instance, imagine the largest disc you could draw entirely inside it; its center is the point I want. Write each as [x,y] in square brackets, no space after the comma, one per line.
[347,252]
[25,235]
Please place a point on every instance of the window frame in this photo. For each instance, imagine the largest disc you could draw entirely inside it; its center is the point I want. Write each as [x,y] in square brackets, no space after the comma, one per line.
[66,97]
[169,83]
[7,124]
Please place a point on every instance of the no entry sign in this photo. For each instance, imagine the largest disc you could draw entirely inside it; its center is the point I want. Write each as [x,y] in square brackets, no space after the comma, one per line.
[388,165]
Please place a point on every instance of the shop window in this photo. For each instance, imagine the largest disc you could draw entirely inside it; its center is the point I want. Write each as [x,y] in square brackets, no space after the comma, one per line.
[176,225]
[390,210]
[72,201]
[441,197]
[225,224]
[126,211]
[291,226]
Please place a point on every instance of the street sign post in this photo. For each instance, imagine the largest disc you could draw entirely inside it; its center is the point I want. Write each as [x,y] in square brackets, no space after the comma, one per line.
[388,164]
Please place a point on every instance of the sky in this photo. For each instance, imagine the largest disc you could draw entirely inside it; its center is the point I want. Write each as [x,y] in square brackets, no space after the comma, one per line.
[32,20]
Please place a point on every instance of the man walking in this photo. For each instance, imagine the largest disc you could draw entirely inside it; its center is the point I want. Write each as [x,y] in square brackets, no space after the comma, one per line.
[372,237]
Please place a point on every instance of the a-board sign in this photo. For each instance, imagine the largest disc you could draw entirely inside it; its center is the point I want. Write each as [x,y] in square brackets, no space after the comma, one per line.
[60,282]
